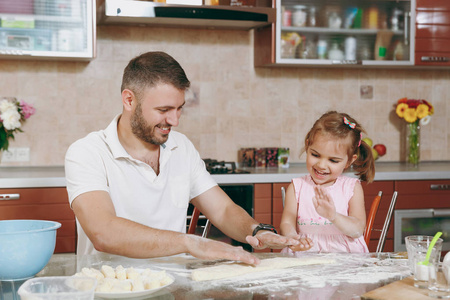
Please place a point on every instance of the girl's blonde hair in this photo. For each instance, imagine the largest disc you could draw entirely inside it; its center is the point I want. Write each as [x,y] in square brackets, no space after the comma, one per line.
[341,126]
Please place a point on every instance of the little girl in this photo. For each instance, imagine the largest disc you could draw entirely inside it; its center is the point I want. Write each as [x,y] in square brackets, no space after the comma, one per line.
[326,206]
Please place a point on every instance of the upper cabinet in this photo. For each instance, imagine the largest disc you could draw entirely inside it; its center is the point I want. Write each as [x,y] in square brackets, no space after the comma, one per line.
[370,33]
[47,29]
[432,33]
[258,13]
[342,32]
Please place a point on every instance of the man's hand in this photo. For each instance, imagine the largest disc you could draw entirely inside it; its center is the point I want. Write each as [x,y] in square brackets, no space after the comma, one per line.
[208,249]
[266,239]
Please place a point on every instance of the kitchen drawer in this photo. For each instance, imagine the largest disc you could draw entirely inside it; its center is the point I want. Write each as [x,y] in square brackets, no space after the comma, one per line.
[277,205]
[435,45]
[423,194]
[433,17]
[433,5]
[431,58]
[262,202]
[424,187]
[432,31]
[262,190]
[41,211]
[43,204]
[36,196]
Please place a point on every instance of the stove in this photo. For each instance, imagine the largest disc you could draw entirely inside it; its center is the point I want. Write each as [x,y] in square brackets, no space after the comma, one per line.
[214,166]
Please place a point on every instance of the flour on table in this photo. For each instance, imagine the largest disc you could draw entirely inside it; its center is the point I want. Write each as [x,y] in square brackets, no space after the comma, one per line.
[237,269]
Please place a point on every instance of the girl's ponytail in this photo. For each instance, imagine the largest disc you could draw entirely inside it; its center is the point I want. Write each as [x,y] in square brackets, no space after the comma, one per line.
[364,165]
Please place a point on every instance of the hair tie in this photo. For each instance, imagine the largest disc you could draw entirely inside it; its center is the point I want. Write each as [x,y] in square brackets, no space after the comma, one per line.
[360,139]
[350,124]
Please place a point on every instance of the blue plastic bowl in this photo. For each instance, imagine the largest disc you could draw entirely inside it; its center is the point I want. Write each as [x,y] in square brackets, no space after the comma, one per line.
[26,246]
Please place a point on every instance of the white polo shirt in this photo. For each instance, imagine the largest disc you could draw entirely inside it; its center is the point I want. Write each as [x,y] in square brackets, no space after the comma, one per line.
[98,162]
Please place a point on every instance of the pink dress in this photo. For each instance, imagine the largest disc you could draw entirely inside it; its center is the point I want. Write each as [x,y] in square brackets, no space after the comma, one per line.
[325,236]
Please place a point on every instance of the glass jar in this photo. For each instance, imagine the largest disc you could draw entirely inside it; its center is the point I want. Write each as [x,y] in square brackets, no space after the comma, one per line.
[312,18]
[350,48]
[322,46]
[287,17]
[335,53]
[334,20]
[299,16]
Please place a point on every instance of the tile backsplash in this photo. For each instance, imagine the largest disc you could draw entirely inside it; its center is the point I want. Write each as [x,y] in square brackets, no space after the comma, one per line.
[236,105]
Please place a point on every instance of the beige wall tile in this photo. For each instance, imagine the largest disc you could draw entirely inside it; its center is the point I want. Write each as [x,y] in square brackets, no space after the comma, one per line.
[238,105]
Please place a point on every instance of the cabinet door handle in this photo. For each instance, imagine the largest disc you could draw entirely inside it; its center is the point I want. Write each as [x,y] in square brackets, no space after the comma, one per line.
[9,197]
[441,212]
[440,187]
[435,58]
[346,62]
[406,28]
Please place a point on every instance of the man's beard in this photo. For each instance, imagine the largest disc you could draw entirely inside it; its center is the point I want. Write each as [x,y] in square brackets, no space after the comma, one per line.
[142,130]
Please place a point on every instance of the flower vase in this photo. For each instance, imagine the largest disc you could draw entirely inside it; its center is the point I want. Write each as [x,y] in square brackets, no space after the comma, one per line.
[413,143]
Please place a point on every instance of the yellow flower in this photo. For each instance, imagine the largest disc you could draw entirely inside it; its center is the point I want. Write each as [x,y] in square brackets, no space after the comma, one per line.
[410,115]
[422,111]
[401,108]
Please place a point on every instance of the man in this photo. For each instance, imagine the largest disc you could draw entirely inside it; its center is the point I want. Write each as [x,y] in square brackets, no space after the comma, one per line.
[130,184]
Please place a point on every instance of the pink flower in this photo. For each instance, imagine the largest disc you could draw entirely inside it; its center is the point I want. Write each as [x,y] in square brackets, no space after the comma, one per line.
[27,109]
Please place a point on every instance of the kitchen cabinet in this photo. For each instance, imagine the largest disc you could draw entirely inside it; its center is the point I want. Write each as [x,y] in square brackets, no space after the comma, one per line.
[43,204]
[262,205]
[352,33]
[419,194]
[223,15]
[341,33]
[47,29]
[432,33]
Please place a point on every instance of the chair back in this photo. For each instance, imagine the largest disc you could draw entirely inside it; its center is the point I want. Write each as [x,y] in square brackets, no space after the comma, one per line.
[194,221]
[387,223]
[371,217]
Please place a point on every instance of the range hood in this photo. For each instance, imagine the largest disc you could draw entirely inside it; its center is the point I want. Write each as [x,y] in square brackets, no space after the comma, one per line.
[133,12]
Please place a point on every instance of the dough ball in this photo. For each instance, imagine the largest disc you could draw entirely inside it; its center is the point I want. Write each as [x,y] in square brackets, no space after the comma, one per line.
[138,284]
[150,284]
[132,273]
[121,273]
[92,273]
[108,271]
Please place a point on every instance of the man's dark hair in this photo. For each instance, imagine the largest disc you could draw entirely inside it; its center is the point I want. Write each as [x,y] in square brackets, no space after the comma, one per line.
[150,69]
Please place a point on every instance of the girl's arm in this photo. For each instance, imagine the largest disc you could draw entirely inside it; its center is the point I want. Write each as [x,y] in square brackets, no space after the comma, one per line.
[352,225]
[288,225]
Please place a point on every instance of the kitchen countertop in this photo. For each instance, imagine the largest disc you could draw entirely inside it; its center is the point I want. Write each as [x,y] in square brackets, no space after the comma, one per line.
[348,276]
[53,176]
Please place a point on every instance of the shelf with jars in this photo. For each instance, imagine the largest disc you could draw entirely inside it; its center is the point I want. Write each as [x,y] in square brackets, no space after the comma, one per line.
[339,32]
[47,29]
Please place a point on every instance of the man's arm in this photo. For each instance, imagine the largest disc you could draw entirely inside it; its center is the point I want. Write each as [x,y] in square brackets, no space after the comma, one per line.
[235,222]
[115,235]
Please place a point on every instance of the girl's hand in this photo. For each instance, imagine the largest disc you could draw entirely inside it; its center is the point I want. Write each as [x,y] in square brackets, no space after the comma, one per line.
[304,244]
[266,239]
[324,204]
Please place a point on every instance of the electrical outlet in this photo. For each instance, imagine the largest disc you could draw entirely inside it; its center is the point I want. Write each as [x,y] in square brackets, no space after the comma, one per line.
[23,154]
[366,92]
[8,155]
[16,154]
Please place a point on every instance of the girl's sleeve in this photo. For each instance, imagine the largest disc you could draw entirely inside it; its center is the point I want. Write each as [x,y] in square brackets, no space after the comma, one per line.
[349,187]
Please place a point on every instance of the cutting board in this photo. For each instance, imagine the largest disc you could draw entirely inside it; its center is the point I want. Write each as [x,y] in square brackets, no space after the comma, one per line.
[402,289]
